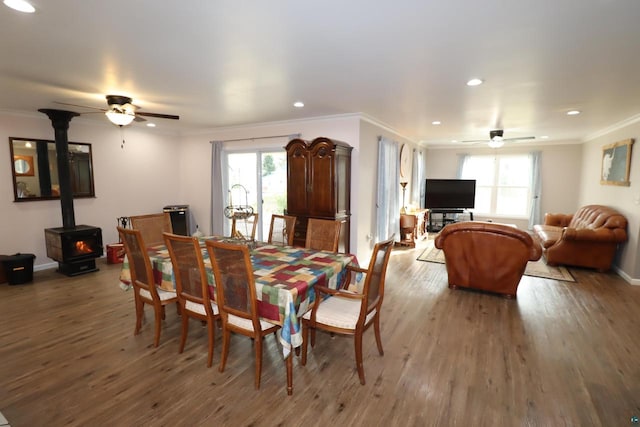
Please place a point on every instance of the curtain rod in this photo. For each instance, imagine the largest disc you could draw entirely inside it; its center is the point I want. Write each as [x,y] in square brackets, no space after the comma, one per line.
[296,135]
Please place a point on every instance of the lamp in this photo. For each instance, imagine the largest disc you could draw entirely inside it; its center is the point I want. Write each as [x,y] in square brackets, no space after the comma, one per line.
[120,118]
[404,189]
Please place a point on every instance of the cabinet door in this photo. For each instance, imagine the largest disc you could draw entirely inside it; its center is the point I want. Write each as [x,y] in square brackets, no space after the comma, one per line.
[343,181]
[322,201]
[298,188]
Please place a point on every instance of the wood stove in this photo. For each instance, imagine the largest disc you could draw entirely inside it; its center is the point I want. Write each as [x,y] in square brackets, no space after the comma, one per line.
[75,247]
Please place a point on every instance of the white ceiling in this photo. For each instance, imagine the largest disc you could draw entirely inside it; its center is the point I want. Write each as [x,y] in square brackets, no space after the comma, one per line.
[402,63]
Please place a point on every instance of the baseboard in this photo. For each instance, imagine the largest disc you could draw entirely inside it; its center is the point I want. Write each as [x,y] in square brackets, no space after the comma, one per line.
[54,264]
[46,266]
[626,277]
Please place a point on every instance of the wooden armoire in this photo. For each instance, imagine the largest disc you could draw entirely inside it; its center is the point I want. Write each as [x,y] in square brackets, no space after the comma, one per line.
[319,185]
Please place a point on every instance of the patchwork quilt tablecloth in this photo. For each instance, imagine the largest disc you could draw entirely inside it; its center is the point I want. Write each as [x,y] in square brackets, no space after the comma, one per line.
[284,278]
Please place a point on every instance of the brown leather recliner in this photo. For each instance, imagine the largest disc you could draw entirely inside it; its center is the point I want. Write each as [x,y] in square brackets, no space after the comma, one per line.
[486,256]
[588,238]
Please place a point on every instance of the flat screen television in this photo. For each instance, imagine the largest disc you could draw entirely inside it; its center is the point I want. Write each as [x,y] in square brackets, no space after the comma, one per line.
[450,194]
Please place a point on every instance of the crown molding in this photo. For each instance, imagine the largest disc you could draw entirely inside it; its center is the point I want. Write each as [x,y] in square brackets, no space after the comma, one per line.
[258,125]
[614,127]
[359,116]
[104,124]
[367,118]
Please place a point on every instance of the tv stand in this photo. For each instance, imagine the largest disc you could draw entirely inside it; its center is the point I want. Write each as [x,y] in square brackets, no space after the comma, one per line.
[445,220]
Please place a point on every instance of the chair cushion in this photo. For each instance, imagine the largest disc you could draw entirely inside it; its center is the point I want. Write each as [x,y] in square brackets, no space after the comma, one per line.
[243,323]
[199,308]
[164,295]
[547,235]
[339,312]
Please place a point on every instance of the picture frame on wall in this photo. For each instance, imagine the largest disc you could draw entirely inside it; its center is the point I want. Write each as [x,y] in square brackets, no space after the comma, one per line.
[616,163]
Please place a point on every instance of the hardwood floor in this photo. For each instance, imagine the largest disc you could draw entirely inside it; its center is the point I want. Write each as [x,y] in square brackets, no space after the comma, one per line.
[562,354]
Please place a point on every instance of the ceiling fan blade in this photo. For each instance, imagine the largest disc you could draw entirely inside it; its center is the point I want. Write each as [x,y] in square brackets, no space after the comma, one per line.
[473,141]
[138,118]
[524,138]
[157,115]
[80,106]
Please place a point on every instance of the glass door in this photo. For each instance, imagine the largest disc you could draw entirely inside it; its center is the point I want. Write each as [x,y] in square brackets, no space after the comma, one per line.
[257,179]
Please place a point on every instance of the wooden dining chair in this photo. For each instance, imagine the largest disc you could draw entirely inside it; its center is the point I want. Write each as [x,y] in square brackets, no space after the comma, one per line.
[194,294]
[237,300]
[244,227]
[152,226]
[323,234]
[281,230]
[145,290]
[351,313]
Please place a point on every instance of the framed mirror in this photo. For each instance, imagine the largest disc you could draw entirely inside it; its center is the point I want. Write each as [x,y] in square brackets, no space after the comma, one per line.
[34,169]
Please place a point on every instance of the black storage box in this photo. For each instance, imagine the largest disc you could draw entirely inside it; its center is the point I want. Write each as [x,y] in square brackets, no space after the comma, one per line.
[18,268]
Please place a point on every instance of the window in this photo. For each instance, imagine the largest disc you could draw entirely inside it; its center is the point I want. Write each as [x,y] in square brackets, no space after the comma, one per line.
[257,179]
[503,184]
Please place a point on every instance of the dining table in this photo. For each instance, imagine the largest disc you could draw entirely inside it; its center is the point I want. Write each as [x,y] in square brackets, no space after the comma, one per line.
[284,278]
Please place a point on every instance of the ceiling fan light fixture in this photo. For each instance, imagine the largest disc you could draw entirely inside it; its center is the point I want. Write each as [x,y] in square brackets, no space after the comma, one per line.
[496,142]
[120,118]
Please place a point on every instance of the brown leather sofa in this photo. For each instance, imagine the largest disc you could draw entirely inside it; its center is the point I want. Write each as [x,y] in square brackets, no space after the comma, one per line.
[486,256]
[588,238]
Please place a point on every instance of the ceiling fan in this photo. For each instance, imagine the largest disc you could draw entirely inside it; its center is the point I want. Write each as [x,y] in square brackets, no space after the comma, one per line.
[496,139]
[122,112]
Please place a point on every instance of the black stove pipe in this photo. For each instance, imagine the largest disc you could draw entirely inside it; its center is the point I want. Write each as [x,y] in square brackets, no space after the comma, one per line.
[60,120]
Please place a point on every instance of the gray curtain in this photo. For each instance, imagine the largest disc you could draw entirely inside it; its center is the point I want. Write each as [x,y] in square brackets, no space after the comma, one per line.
[388,191]
[417,179]
[462,158]
[536,188]
[217,196]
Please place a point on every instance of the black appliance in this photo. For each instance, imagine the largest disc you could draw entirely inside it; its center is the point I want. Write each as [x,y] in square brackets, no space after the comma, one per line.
[179,215]
[75,247]
[18,268]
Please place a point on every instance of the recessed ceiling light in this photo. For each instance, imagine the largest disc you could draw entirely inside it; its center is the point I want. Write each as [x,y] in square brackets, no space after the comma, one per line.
[28,144]
[20,6]
[474,82]
[298,104]
[573,113]
[151,125]
[436,122]
[454,140]
[544,137]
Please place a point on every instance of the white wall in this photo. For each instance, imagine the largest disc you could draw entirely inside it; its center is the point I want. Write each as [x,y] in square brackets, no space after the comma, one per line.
[141,178]
[195,184]
[360,134]
[155,169]
[624,199]
[560,165]
[365,197]
[570,179]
